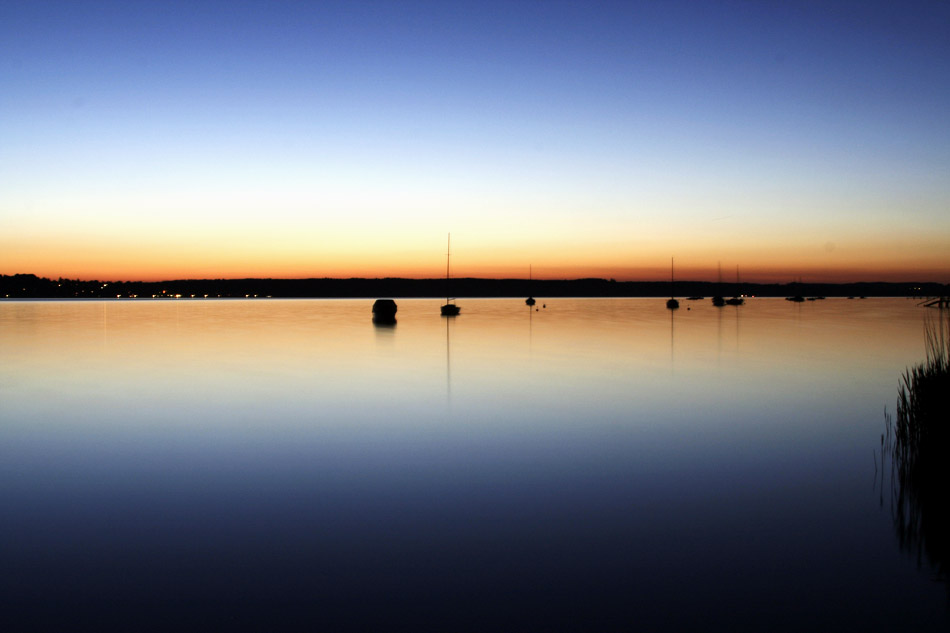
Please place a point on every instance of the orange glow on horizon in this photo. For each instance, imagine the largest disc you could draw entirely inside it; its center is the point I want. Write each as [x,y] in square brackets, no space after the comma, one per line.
[764,275]
[134,259]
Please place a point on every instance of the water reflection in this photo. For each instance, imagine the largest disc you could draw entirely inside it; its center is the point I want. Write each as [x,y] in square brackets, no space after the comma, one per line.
[531,310]
[922,519]
[672,319]
[282,464]
[737,326]
[448,361]
[719,336]
[385,334]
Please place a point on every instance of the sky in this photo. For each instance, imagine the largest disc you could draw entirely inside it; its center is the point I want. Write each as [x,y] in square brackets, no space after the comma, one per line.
[165,140]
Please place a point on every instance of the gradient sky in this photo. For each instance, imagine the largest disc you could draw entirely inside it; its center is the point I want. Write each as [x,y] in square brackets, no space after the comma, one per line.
[143,140]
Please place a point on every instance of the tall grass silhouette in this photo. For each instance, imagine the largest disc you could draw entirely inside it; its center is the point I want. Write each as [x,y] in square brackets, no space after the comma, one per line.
[919,444]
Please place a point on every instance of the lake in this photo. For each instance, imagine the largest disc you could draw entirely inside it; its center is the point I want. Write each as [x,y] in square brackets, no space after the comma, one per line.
[596,464]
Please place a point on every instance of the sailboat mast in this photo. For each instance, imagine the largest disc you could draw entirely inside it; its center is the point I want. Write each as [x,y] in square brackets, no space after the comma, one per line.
[671,277]
[718,301]
[448,255]
[530,300]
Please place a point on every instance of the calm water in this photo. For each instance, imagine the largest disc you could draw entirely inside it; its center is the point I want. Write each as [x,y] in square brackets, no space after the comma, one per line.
[594,465]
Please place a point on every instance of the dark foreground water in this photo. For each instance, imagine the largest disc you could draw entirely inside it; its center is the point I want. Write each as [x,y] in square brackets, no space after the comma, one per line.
[595,465]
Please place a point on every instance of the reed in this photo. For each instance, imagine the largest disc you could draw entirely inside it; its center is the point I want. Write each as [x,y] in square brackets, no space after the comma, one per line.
[919,442]
[922,422]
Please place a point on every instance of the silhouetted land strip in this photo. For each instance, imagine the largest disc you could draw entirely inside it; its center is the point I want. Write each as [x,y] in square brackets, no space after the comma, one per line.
[31,286]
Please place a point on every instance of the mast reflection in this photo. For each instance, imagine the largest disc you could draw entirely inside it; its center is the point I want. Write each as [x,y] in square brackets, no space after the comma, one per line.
[448,362]
[672,320]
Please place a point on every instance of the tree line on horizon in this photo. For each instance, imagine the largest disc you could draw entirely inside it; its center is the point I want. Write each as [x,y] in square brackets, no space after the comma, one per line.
[29,286]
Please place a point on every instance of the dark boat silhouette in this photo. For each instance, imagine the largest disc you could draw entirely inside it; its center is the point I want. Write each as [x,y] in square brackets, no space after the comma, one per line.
[672,303]
[449,309]
[384,311]
[797,298]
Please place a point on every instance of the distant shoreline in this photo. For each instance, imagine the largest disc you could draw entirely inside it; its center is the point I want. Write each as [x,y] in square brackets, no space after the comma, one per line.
[28,286]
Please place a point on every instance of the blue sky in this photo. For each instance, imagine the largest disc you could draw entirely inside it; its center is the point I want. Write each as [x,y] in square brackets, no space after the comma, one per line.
[298,138]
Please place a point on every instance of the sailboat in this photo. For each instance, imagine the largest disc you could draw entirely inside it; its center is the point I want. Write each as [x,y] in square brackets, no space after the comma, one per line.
[449,309]
[530,300]
[717,300]
[736,300]
[796,298]
[672,303]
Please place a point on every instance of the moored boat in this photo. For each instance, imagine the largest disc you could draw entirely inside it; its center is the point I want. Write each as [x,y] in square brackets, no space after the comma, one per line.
[672,303]
[449,308]
[530,300]
[384,311]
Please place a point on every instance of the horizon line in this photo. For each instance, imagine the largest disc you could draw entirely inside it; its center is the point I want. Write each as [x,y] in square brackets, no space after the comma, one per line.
[487,279]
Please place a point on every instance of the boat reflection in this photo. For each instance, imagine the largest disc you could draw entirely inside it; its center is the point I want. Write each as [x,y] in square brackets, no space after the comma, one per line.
[672,319]
[448,362]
